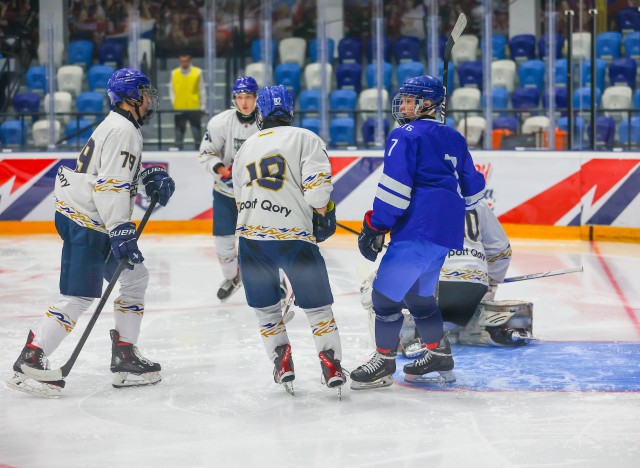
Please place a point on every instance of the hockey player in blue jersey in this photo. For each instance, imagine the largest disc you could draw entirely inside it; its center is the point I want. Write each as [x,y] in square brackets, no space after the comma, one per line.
[428,181]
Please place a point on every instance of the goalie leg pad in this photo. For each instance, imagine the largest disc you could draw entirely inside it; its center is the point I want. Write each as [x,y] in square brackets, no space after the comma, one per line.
[499,323]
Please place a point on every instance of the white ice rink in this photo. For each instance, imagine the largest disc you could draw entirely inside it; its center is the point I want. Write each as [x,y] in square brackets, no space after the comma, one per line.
[217,405]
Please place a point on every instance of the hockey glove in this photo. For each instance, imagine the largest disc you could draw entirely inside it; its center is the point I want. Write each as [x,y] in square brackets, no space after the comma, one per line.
[226,175]
[370,240]
[324,226]
[124,244]
[156,179]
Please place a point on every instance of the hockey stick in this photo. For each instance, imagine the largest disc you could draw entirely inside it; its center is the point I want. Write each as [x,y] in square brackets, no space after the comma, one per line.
[461,23]
[543,274]
[59,374]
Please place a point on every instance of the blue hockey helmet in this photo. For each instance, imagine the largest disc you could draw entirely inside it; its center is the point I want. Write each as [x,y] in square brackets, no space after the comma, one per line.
[131,84]
[274,103]
[410,103]
[244,85]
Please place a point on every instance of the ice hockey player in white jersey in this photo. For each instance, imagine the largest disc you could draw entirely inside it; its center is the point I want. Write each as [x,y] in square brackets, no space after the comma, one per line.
[469,275]
[428,181]
[94,203]
[226,132]
[282,184]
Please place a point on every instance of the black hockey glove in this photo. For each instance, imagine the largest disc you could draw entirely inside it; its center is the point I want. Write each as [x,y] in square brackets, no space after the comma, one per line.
[124,244]
[370,240]
[156,179]
[325,226]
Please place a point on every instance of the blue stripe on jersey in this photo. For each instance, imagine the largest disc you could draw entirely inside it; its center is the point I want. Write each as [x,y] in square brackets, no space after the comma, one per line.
[471,201]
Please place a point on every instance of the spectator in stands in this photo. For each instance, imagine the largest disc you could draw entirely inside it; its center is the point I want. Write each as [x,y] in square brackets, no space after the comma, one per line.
[188,98]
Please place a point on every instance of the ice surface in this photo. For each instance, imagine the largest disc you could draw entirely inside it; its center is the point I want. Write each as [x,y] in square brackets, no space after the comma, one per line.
[564,402]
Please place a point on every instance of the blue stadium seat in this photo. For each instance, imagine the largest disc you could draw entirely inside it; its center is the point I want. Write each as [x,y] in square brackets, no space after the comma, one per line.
[256,50]
[623,71]
[450,74]
[507,123]
[309,102]
[608,45]
[12,132]
[407,49]
[628,19]
[91,102]
[369,131]
[605,131]
[386,50]
[499,99]
[73,126]
[26,103]
[523,47]
[582,98]
[560,98]
[111,51]
[408,70]
[312,124]
[579,127]
[561,70]
[601,69]
[470,74]
[313,50]
[81,53]
[350,50]
[531,74]
[525,98]
[498,46]
[341,132]
[632,46]
[634,130]
[349,76]
[288,74]
[543,48]
[98,76]
[636,99]
[387,71]
[450,122]
[343,100]
[36,78]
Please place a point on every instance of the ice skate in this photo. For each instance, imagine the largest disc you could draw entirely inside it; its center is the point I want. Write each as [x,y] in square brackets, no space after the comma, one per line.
[283,368]
[129,367]
[228,287]
[436,360]
[332,373]
[413,349]
[502,336]
[33,356]
[376,373]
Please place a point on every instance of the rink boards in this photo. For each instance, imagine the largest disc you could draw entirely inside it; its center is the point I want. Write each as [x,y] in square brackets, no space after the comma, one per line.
[572,192]
[542,366]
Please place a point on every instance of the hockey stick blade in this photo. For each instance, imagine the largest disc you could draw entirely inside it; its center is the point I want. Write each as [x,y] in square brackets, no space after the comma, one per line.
[49,375]
[543,274]
[461,23]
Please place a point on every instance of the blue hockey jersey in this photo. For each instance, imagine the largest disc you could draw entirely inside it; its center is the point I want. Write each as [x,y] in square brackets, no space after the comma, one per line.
[428,181]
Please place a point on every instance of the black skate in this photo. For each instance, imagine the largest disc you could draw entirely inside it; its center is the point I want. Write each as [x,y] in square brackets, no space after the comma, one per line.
[413,349]
[434,360]
[228,287]
[376,373]
[129,367]
[500,336]
[283,368]
[33,356]
[332,373]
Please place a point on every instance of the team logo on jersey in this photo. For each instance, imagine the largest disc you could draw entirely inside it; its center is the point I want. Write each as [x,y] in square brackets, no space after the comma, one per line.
[237,143]
[141,199]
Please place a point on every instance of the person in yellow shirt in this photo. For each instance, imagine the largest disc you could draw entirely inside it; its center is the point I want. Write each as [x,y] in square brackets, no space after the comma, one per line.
[187,96]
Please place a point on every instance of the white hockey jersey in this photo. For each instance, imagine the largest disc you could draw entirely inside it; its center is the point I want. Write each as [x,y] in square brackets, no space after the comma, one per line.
[486,254]
[224,136]
[100,193]
[279,175]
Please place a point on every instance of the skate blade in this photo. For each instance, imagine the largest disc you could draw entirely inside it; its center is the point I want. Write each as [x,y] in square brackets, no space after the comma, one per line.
[380,383]
[288,386]
[433,378]
[339,389]
[413,353]
[24,384]
[126,379]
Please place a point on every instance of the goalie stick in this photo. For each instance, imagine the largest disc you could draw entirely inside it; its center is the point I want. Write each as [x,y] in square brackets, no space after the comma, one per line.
[461,23]
[48,375]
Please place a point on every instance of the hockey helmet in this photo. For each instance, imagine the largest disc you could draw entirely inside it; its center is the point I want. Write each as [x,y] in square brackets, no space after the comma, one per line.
[274,103]
[244,85]
[129,83]
[409,102]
